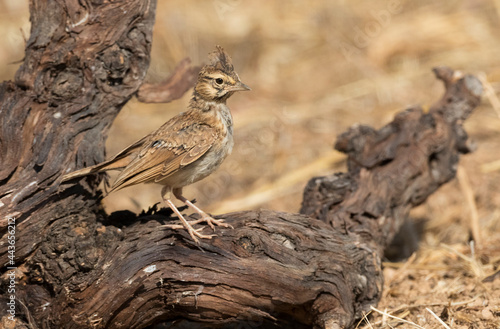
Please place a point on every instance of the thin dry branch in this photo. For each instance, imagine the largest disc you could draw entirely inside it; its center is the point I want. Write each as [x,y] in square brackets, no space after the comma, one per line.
[172,88]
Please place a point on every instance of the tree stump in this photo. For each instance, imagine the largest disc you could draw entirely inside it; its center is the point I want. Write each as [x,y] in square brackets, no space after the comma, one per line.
[74,266]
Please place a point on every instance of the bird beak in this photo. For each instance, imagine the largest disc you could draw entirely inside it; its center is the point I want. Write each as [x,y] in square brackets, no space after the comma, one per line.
[239,86]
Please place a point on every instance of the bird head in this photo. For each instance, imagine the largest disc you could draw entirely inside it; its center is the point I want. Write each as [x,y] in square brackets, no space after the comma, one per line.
[217,80]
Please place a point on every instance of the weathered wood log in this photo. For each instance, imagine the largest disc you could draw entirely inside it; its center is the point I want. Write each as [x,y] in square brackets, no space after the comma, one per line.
[77,267]
[397,167]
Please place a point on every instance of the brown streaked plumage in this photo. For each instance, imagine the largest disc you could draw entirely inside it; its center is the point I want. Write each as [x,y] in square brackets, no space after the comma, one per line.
[187,148]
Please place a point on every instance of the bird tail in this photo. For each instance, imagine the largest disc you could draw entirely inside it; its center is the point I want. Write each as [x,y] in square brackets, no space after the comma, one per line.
[119,161]
[82,172]
[115,163]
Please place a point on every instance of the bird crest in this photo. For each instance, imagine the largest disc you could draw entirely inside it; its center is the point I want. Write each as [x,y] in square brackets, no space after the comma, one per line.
[219,60]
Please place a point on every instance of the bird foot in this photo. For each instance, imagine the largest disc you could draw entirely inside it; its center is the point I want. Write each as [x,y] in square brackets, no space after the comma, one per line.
[194,233]
[212,222]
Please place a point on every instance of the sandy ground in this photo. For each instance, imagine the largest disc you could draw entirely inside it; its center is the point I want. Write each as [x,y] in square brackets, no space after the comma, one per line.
[315,69]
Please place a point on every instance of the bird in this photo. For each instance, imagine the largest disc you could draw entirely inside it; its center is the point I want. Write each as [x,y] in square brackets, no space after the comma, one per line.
[187,148]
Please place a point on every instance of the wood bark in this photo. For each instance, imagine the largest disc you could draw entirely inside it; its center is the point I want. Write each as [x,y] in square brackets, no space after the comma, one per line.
[78,267]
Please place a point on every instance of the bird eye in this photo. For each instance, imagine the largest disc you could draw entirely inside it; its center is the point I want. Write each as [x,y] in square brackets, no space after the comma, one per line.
[219,81]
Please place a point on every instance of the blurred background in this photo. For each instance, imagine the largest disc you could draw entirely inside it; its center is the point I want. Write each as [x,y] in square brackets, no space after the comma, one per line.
[316,68]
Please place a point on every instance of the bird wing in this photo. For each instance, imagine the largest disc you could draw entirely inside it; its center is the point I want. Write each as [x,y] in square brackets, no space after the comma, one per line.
[165,151]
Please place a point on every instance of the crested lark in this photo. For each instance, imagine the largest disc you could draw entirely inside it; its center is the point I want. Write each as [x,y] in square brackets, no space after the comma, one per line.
[187,148]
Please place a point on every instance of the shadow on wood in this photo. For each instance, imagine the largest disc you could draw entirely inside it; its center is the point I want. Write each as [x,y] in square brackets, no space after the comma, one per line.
[77,267]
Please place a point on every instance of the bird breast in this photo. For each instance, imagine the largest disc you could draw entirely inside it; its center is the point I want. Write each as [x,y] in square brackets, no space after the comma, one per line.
[213,158]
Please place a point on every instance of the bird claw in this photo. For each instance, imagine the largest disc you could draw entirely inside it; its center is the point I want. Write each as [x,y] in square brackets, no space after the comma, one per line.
[173,226]
[194,233]
[219,222]
[210,221]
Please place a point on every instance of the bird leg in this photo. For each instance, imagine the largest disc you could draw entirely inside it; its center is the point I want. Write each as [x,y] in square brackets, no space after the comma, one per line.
[194,233]
[204,216]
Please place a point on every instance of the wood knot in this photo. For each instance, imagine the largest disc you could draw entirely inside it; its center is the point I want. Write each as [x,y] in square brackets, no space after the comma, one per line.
[246,244]
[67,83]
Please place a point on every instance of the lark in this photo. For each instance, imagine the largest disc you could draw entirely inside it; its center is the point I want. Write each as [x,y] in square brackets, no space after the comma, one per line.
[187,148]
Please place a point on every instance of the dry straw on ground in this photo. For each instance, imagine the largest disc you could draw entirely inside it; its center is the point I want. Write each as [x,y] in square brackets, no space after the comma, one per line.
[316,68]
